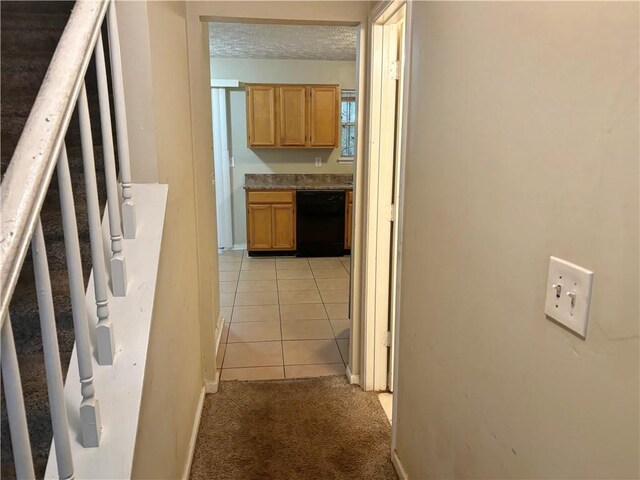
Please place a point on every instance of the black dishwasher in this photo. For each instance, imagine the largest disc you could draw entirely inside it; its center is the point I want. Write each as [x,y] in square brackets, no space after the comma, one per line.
[320,223]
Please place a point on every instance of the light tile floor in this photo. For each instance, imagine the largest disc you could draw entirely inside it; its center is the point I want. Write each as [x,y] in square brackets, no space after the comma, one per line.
[285,317]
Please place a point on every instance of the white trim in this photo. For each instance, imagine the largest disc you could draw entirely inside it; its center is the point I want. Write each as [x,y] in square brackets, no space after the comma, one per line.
[224,83]
[119,387]
[239,246]
[406,84]
[211,386]
[353,379]
[397,464]
[194,434]
[359,188]
[221,164]
[219,328]
[382,133]
[371,220]
[386,9]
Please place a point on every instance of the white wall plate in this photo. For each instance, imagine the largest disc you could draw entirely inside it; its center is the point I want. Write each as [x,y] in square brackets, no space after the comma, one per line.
[569,295]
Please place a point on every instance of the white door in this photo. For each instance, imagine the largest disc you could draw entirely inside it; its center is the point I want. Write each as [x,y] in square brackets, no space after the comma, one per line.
[383,234]
[221,164]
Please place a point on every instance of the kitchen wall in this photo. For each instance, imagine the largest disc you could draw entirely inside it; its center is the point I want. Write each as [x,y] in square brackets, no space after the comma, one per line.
[274,160]
[523,142]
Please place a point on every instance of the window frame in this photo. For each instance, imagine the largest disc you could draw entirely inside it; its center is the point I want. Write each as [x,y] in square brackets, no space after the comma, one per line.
[352,95]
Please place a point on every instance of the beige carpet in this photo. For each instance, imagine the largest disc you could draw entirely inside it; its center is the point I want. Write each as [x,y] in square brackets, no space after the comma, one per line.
[317,428]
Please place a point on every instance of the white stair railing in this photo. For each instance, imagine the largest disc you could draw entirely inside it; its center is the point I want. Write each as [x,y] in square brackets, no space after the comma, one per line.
[15,404]
[89,408]
[40,150]
[128,207]
[52,365]
[104,329]
[118,264]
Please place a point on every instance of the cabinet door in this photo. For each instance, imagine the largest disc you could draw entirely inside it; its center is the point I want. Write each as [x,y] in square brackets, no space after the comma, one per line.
[284,227]
[324,118]
[293,115]
[259,222]
[261,115]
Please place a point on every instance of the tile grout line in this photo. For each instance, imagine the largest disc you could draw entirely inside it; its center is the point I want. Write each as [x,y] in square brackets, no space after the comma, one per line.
[284,371]
[282,340]
[233,307]
[328,318]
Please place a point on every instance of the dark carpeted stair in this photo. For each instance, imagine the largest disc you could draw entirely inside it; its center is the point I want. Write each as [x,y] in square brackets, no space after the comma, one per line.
[30,31]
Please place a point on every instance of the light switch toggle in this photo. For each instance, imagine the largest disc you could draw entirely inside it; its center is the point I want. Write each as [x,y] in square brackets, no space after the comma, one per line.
[558,289]
[572,297]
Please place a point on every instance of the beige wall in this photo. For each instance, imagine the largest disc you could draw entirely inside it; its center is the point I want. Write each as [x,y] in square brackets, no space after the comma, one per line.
[133,27]
[173,377]
[261,160]
[522,143]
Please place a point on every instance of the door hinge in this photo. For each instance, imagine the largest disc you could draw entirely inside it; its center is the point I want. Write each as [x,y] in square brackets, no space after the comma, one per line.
[394,70]
[387,339]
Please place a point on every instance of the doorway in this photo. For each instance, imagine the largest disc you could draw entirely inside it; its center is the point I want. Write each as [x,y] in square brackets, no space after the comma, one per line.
[284,317]
[384,231]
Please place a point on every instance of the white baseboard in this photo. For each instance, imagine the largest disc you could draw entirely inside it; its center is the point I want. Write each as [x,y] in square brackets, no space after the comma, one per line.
[219,328]
[194,435]
[239,246]
[211,386]
[397,465]
[353,379]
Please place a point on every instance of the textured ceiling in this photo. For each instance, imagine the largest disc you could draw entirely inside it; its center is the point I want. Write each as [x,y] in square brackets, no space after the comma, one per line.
[295,42]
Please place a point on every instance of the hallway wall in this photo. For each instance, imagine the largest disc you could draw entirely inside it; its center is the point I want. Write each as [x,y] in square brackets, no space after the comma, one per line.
[522,143]
[173,379]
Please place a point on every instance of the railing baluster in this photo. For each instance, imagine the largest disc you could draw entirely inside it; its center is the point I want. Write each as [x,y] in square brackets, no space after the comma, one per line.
[104,330]
[15,404]
[89,408]
[52,364]
[128,207]
[118,266]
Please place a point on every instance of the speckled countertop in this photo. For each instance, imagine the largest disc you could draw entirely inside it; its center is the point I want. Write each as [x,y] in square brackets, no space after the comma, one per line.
[298,181]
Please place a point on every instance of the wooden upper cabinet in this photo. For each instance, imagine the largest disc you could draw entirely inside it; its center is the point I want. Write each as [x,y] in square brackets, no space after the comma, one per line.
[261,115]
[293,115]
[324,120]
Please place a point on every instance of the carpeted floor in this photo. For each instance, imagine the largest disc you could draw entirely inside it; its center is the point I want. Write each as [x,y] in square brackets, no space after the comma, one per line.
[317,428]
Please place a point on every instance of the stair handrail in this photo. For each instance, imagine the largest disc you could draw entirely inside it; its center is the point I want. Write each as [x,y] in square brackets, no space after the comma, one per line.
[29,173]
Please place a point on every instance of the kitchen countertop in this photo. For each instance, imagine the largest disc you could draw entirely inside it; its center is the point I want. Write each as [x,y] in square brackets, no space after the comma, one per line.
[298,181]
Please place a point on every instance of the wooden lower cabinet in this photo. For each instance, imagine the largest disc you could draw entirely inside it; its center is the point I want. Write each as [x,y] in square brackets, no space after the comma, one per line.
[260,227]
[283,227]
[271,220]
[348,220]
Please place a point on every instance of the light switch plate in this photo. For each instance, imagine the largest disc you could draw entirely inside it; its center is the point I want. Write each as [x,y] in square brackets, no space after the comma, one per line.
[569,295]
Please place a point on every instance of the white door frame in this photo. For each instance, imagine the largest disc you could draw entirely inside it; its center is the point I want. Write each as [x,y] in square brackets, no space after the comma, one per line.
[222,174]
[377,295]
[406,84]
